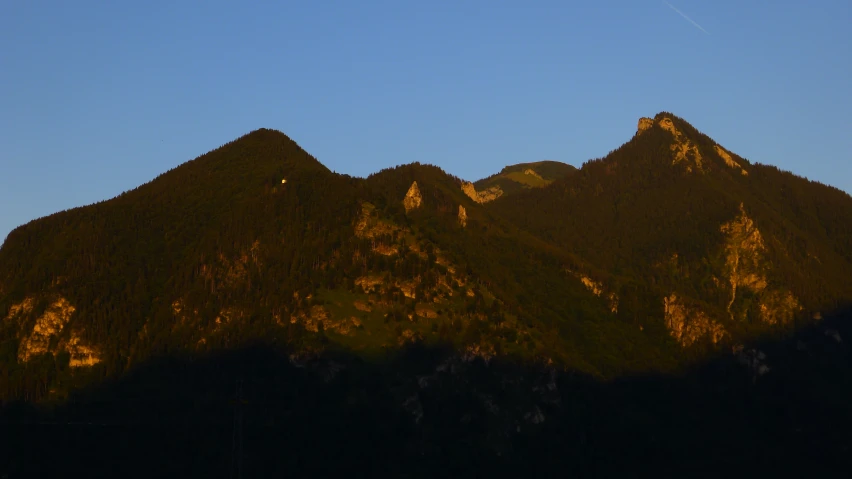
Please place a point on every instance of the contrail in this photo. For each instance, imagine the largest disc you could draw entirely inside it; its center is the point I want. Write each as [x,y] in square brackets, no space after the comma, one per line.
[684,16]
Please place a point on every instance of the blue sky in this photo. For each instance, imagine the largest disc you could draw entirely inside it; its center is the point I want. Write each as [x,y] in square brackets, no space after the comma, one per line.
[99,97]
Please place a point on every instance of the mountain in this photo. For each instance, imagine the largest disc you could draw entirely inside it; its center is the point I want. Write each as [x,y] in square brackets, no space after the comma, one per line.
[520,177]
[733,248]
[668,258]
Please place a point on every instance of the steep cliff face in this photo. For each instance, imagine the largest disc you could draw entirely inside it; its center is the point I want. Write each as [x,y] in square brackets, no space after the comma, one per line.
[490,194]
[470,191]
[412,199]
[683,149]
[644,125]
[47,326]
[729,160]
[462,216]
[688,324]
[484,196]
[745,266]
[752,298]
[44,336]
[81,354]
[747,269]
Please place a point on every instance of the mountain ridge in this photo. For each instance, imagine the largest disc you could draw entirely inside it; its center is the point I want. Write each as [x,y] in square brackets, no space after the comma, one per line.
[668,246]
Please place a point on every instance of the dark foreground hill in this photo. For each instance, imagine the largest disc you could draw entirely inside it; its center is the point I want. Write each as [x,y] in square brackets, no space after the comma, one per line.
[425,413]
[656,292]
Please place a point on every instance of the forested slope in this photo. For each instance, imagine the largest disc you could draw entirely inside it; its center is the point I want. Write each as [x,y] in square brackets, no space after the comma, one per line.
[668,249]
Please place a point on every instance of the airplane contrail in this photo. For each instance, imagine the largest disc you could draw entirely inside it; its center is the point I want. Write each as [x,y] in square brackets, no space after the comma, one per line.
[686,17]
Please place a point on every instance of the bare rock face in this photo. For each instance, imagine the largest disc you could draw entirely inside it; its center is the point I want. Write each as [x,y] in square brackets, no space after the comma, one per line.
[644,124]
[531,172]
[81,354]
[51,323]
[318,318]
[593,286]
[729,160]
[490,194]
[484,196]
[747,269]
[598,289]
[370,283]
[412,199]
[49,326]
[370,226]
[744,250]
[687,325]
[462,216]
[470,191]
[779,307]
[683,150]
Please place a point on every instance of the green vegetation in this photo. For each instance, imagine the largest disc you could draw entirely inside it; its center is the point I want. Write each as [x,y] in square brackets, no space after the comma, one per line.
[516,178]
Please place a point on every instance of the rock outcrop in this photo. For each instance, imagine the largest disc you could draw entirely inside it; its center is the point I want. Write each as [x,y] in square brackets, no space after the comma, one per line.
[644,124]
[598,290]
[531,172]
[747,269]
[318,318]
[23,308]
[729,160]
[48,325]
[683,150]
[484,196]
[490,194]
[744,255]
[369,225]
[81,354]
[470,191]
[462,216]
[687,325]
[48,328]
[370,284]
[412,199]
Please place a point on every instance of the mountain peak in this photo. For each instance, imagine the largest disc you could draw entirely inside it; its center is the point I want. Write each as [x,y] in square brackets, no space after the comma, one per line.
[684,149]
[645,123]
[664,120]
[689,147]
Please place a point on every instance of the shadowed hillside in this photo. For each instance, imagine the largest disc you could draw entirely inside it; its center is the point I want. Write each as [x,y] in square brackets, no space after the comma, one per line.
[777,407]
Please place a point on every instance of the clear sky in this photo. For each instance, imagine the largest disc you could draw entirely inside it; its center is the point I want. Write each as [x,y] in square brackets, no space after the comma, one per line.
[99,97]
